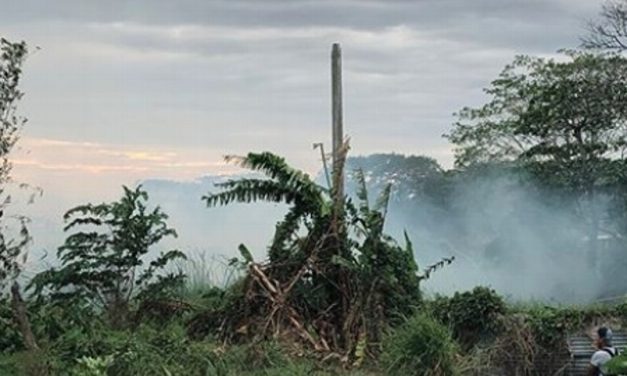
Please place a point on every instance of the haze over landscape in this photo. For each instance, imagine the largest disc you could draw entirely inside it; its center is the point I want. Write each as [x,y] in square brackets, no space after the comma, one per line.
[313,187]
[158,92]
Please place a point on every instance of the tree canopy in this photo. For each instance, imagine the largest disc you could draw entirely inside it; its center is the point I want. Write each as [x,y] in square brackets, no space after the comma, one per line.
[566,119]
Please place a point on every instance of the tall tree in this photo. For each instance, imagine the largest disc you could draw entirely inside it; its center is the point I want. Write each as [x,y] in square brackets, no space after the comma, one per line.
[413,176]
[12,57]
[564,121]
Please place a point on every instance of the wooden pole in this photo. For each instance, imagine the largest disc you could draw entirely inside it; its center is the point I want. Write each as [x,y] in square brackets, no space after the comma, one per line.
[338,132]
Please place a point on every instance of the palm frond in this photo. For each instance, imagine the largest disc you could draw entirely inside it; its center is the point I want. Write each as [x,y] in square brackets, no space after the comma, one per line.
[409,247]
[250,190]
[278,171]
[284,184]
[383,201]
[285,230]
[271,165]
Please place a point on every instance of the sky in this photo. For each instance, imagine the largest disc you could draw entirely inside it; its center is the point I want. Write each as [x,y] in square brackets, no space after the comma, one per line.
[122,91]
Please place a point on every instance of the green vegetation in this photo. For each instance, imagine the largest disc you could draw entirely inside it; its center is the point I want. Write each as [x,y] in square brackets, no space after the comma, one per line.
[333,278]
[616,366]
[420,346]
[80,342]
[472,315]
[103,264]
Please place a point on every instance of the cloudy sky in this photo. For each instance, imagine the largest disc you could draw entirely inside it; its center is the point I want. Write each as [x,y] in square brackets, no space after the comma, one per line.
[121,91]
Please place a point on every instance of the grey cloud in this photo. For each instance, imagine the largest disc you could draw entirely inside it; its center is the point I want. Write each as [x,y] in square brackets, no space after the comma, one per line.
[190,73]
[477,19]
[233,76]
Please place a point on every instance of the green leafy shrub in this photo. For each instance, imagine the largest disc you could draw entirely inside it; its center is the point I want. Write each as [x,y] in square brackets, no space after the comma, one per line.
[88,366]
[616,366]
[621,310]
[168,351]
[145,351]
[150,352]
[471,315]
[103,261]
[51,319]
[420,346]
[551,325]
[222,308]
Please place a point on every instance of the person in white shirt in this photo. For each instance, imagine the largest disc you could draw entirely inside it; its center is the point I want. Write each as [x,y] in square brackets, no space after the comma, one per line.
[605,351]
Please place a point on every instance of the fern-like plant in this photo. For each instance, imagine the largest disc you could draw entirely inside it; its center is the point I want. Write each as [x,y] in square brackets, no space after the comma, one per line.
[103,258]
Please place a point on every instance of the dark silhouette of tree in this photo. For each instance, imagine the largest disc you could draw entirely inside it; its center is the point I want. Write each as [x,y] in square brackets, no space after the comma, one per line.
[610,31]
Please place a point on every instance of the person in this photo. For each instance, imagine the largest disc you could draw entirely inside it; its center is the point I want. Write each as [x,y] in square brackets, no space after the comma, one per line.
[605,351]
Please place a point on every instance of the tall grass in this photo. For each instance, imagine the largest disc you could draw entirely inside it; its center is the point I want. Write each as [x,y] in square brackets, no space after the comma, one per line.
[206,272]
[421,346]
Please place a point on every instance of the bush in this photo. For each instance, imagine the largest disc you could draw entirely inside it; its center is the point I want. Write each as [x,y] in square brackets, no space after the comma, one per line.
[551,325]
[471,315]
[104,259]
[151,351]
[420,346]
[166,351]
[146,351]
